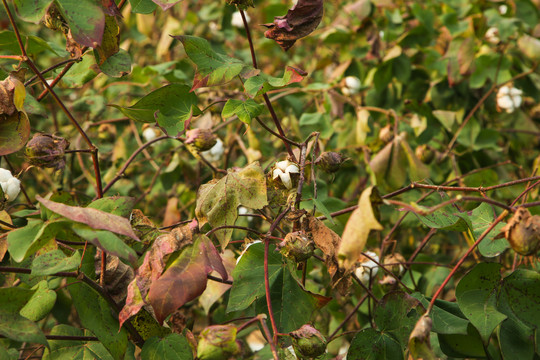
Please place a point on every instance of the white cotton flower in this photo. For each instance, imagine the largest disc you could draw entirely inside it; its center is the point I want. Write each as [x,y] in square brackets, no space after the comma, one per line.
[283,170]
[215,152]
[11,186]
[503,9]
[492,35]
[509,98]
[367,269]
[236,20]
[352,85]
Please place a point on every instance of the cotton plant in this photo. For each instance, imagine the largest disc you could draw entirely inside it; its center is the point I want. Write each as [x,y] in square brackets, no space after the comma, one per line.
[11,186]
[509,98]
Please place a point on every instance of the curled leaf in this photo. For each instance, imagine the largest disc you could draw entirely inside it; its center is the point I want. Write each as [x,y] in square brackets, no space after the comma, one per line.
[356,232]
[301,20]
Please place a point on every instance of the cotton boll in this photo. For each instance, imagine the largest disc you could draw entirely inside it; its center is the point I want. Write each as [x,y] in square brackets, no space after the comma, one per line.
[215,152]
[367,269]
[11,186]
[236,20]
[509,98]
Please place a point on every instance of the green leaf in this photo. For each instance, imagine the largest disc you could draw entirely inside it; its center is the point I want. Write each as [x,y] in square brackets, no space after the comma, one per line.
[515,340]
[13,299]
[310,122]
[481,218]
[25,241]
[81,73]
[117,205]
[397,313]
[14,132]
[18,328]
[94,218]
[212,68]
[522,289]
[74,349]
[320,206]
[448,218]
[32,10]
[55,261]
[245,110]
[85,19]
[477,293]
[117,65]
[170,347]
[96,316]
[170,105]
[41,303]
[248,276]
[107,241]
[291,304]
[218,201]
[142,6]
[370,344]
[462,346]
[262,83]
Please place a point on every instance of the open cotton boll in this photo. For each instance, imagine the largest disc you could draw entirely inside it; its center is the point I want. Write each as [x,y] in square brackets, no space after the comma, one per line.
[236,20]
[492,35]
[11,186]
[509,98]
[368,268]
[283,170]
[215,152]
[352,85]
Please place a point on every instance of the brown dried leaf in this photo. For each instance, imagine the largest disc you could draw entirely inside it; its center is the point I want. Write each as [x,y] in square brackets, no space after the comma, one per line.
[301,20]
[117,276]
[172,215]
[329,243]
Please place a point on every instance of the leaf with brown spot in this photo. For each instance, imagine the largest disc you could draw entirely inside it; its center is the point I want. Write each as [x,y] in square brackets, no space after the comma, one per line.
[357,230]
[301,20]
[217,201]
[94,218]
[185,279]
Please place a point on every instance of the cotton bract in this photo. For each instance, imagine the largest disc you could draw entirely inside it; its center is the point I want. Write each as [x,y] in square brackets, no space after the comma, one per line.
[509,98]
[283,170]
[11,186]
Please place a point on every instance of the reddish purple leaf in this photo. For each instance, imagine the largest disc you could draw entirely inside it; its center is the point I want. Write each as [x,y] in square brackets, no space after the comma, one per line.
[152,267]
[301,20]
[185,279]
[94,218]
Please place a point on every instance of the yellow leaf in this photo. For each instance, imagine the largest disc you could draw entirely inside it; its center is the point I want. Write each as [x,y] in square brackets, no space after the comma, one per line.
[19,94]
[356,232]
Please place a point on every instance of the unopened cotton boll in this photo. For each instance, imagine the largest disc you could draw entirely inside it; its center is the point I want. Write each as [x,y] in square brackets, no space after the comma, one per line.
[215,152]
[509,98]
[236,20]
[11,186]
